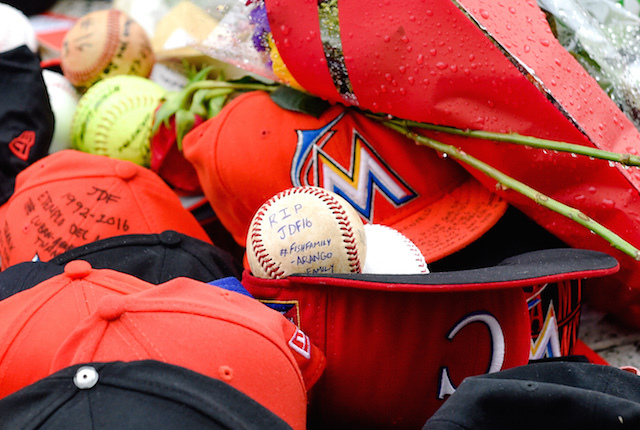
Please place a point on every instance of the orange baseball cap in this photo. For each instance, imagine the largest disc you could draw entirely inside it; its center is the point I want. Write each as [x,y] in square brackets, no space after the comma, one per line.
[220,333]
[71,198]
[253,149]
[34,322]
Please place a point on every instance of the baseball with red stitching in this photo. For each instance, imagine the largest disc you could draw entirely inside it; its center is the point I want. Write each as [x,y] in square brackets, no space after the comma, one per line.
[306,230]
[105,43]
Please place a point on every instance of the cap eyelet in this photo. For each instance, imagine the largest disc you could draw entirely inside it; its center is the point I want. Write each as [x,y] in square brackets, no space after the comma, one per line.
[225,372]
[86,377]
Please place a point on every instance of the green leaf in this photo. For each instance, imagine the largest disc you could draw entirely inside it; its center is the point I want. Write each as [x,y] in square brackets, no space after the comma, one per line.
[298,101]
[216,104]
[184,124]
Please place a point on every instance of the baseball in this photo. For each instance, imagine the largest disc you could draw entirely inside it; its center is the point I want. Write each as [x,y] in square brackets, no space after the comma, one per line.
[306,230]
[64,99]
[16,29]
[105,43]
[115,116]
[391,252]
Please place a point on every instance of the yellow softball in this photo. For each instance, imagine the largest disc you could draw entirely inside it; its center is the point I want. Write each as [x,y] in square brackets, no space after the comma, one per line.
[115,116]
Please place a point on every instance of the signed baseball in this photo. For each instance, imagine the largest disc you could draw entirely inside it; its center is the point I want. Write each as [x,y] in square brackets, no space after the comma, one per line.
[105,43]
[391,252]
[306,230]
[115,117]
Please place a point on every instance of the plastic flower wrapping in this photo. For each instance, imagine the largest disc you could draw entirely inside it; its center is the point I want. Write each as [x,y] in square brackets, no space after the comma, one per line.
[527,95]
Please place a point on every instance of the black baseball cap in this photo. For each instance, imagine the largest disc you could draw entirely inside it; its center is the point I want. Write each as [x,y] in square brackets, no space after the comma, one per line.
[157,258]
[154,258]
[133,395]
[553,394]
[25,114]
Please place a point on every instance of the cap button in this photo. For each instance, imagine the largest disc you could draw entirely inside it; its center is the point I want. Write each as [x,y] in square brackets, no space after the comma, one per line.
[170,238]
[111,307]
[77,269]
[86,377]
[126,170]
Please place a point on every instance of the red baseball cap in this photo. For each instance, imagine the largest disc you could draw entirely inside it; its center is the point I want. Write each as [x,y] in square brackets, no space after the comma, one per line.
[34,322]
[398,345]
[71,198]
[253,149]
[207,329]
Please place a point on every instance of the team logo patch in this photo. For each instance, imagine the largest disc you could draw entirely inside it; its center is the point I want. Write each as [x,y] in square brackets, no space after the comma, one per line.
[290,309]
[554,310]
[320,161]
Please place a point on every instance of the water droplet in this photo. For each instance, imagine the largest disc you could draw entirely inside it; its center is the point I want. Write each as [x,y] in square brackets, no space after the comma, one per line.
[411,80]
[592,189]
[608,203]
[545,42]
[453,68]
[388,77]
[433,51]
[440,65]
[386,38]
[405,39]
[512,10]
[420,59]
[484,14]
[285,29]
[402,69]
[472,57]
[580,197]
[527,48]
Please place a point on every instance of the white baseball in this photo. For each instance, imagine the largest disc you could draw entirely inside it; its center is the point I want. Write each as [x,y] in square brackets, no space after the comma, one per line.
[63,97]
[306,230]
[16,29]
[391,252]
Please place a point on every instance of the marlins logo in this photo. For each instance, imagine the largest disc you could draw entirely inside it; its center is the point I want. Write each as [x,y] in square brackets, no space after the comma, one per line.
[353,173]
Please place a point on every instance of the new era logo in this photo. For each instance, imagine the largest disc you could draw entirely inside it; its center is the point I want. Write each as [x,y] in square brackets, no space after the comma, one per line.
[21,145]
[301,343]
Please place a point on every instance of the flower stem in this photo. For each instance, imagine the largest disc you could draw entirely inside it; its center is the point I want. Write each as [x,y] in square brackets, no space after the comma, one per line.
[534,142]
[511,183]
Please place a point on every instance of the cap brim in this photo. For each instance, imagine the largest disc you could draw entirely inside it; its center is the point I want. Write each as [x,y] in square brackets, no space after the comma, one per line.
[531,268]
[453,222]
